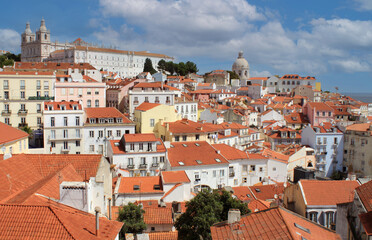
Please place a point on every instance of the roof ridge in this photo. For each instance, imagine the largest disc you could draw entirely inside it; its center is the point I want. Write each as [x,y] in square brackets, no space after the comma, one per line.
[55,214]
[171,190]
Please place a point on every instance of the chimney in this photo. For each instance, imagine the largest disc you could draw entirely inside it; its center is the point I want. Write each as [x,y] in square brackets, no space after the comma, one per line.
[98,210]
[233,216]
[109,203]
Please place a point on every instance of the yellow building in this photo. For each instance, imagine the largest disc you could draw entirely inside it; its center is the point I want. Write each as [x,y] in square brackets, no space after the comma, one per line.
[318,86]
[12,140]
[148,115]
[21,101]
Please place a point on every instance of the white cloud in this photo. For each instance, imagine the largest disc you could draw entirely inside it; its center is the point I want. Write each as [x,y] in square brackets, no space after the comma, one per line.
[10,40]
[260,74]
[218,29]
[364,5]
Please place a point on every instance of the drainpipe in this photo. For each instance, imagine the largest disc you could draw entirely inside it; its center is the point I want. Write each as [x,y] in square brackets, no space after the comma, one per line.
[97,210]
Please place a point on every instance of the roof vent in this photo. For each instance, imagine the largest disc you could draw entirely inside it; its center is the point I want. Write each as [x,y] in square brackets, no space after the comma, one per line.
[181,163]
[116,144]
[136,187]
[198,161]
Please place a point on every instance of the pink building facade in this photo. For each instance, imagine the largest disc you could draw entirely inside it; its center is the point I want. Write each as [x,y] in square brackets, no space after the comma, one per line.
[318,112]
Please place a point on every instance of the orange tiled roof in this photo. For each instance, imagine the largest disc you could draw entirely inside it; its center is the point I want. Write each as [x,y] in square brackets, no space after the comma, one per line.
[188,126]
[258,205]
[327,127]
[158,216]
[140,137]
[243,193]
[320,106]
[317,192]
[147,106]
[230,153]
[9,134]
[163,235]
[361,127]
[57,105]
[188,154]
[267,192]
[52,222]
[174,177]
[273,223]
[275,155]
[117,146]
[106,112]
[364,192]
[145,184]
[154,85]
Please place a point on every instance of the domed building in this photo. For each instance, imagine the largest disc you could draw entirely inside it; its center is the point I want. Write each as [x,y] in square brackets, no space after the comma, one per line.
[241,67]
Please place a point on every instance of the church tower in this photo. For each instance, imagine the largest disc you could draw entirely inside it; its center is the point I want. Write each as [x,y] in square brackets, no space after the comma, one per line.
[27,39]
[241,67]
[43,40]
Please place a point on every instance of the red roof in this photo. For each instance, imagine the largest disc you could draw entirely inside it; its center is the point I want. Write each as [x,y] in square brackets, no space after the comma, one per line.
[174,177]
[163,235]
[53,222]
[366,221]
[106,112]
[267,192]
[230,153]
[317,192]
[9,134]
[147,106]
[273,223]
[158,216]
[57,105]
[145,185]
[140,137]
[364,192]
[243,193]
[320,106]
[154,85]
[275,155]
[189,154]
[188,126]
[327,127]
[258,205]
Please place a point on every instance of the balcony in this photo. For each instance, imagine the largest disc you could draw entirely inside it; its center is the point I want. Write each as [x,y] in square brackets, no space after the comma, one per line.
[232,174]
[22,112]
[20,125]
[40,98]
[130,166]
[6,113]
[144,165]
[63,149]
[38,87]
[155,165]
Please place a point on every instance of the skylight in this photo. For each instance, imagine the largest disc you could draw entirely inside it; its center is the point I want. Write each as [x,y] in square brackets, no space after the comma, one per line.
[217,160]
[185,145]
[181,163]
[302,228]
[197,144]
[257,190]
[136,187]
[198,162]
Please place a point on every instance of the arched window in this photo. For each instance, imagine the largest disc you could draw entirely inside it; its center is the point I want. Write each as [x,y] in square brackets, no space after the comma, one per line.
[45,36]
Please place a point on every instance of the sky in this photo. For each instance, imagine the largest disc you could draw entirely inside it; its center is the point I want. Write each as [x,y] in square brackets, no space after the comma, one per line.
[328,39]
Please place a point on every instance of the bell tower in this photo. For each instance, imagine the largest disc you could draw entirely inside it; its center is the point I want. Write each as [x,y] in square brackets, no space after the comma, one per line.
[43,40]
[28,39]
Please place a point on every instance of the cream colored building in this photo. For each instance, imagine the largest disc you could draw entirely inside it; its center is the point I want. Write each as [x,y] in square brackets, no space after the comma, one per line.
[22,97]
[12,140]
[148,115]
[304,158]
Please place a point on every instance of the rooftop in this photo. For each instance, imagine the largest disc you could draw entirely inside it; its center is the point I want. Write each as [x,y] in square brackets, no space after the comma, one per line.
[9,134]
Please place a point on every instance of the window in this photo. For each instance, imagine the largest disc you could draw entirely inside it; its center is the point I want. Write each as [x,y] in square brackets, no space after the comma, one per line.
[96,91]
[177,138]
[100,133]
[89,91]
[6,95]
[63,91]
[65,134]
[22,95]
[141,146]
[71,91]
[335,140]
[77,143]
[274,169]
[152,122]
[329,219]
[146,99]
[149,146]
[7,121]
[329,114]
[89,103]
[222,173]
[96,103]
[184,137]
[130,161]
[52,122]
[162,159]
[46,85]
[109,133]
[197,137]
[23,120]
[244,180]
[155,160]
[91,148]
[245,168]
[91,134]
[39,120]
[132,146]
[214,173]
[197,176]
[6,84]
[118,133]
[77,133]
[52,144]
[22,84]
[77,121]
[64,121]
[313,216]
[38,108]
[261,169]
[253,168]
[143,160]
[65,145]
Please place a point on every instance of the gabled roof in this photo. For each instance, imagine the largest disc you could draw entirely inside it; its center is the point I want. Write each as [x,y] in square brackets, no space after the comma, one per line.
[147,106]
[188,126]
[361,127]
[174,177]
[364,192]
[140,185]
[273,223]
[275,155]
[106,112]
[158,216]
[243,193]
[9,134]
[163,235]
[267,192]
[189,154]
[140,137]
[57,105]
[320,106]
[52,222]
[327,193]
[230,153]
[258,205]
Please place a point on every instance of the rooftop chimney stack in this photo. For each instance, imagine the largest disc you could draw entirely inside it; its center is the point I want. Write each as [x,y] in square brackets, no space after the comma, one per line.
[233,216]
[98,210]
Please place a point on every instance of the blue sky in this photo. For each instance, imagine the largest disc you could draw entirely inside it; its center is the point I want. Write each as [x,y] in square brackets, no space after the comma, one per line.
[331,40]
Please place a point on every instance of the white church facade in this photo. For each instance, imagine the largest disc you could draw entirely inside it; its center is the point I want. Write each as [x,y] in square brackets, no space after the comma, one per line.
[38,47]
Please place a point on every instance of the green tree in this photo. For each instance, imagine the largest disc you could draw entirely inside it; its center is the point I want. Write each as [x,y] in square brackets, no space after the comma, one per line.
[148,66]
[181,69]
[170,67]
[203,211]
[162,65]
[191,67]
[233,75]
[8,59]
[28,130]
[132,216]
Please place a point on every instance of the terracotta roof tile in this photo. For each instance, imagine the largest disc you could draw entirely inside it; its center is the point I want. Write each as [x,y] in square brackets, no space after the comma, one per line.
[317,192]
[163,235]
[154,85]
[106,112]
[267,192]
[366,220]
[188,154]
[243,193]
[188,126]
[145,185]
[174,177]
[58,105]
[258,205]
[158,216]
[230,153]
[147,106]
[320,106]
[364,192]
[140,137]
[9,134]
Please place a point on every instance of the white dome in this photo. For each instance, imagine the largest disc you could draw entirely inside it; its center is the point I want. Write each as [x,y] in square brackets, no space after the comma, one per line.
[28,29]
[42,26]
[240,62]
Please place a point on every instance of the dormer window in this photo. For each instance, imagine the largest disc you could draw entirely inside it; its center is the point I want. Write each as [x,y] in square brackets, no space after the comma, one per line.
[92,120]
[63,107]
[50,107]
[119,120]
[75,107]
[102,120]
[110,120]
